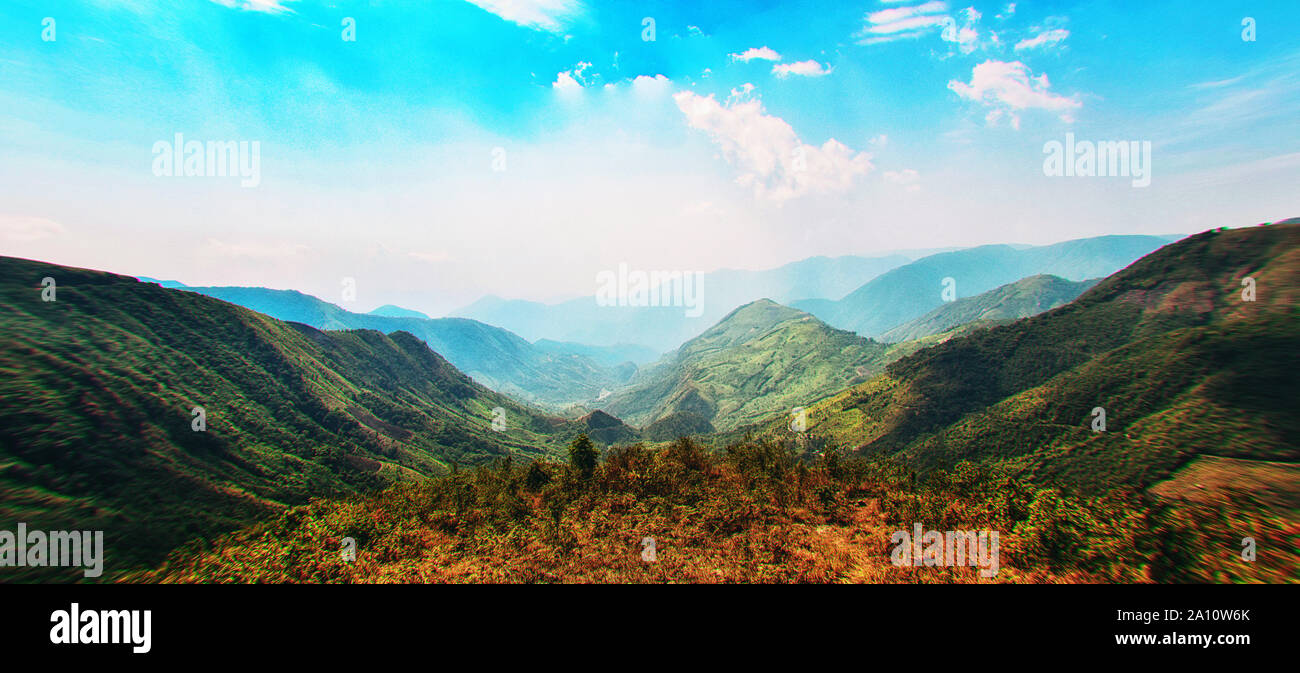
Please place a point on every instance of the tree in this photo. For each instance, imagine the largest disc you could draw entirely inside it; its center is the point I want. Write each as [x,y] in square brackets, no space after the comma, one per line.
[583,455]
[537,477]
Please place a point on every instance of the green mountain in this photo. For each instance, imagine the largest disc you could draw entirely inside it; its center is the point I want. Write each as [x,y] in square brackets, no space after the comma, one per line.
[1021,299]
[99,388]
[1185,369]
[490,355]
[911,291]
[762,358]
[663,328]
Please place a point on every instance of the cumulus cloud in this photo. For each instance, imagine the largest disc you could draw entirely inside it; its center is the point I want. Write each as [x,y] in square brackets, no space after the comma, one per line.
[1008,88]
[803,68]
[644,85]
[571,80]
[769,156]
[1044,39]
[761,53]
[548,15]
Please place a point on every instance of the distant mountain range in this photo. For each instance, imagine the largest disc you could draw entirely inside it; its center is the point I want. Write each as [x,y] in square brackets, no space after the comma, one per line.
[765,357]
[663,328]
[911,291]
[1021,299]
[1185,369]
[97,425]
[390,311]
[554,375]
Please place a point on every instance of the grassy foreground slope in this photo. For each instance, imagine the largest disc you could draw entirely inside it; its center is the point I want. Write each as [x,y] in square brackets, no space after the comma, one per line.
[755,512]
[1183,366]
[98,389]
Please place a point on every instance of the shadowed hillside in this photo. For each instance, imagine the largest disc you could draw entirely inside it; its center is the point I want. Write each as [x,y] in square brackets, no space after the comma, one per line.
[1181,363]
[99,386]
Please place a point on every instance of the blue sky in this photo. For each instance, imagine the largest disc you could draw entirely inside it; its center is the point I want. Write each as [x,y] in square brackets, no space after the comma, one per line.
[745,135]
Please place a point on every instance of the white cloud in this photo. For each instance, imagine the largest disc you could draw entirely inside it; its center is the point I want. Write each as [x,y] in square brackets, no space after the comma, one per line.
[740,93]
[565,82]
[21,228]
[1008,88]
[572,80]
[266,6]
[768,154]
[548,15]
[913,21]
[762,53]
[1045,39]
[804,68]
[899,19]
[644,85]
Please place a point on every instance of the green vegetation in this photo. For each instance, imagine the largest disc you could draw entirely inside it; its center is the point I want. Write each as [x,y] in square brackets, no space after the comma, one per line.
[761,359]
[96,411]
[1182,365]
[755,512]
[556,376]
[313,437]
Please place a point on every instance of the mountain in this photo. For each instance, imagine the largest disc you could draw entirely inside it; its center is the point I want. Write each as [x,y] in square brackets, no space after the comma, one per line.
[1188,373]
[609,356]
[1021,299]
[164,283]
[390,311]
[662,328]
[490,355]
[761,358]
[97,411]
[911,291]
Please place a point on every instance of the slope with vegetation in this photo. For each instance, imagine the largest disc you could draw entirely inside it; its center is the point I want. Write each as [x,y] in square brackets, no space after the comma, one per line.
[763,358]
[495,357]
[754,512]
[1013,301]
[97,430]
[1182,365]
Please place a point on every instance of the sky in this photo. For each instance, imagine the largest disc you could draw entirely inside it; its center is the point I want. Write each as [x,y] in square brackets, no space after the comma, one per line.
[432,152]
